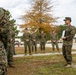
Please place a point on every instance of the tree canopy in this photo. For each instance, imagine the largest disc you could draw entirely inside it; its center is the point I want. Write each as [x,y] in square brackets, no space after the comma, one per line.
[40,15]
[12,23]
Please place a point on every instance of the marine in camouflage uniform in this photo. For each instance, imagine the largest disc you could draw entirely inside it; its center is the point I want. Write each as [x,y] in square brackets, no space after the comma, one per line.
[13,39]
[27,40]
[68,41]
[4,31]
[54,39]
[42,40]
[10,48]
[34,41]
[3,45]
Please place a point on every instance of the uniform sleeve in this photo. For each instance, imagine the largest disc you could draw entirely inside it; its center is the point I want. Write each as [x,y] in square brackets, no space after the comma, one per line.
[23,37]
[51,37]
[39,36]
[30,36]
[36,37]
[56,36]
[45,37]
[71,35]
[9,36]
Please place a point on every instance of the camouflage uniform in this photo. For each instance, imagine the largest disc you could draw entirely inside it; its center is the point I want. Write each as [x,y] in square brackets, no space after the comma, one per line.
[4,32]
[4,29]
[10,48]
[54,39]
[26,38]
[34,42]
[3,60]
[42,41]
[3,39]
[68,41]
[13,39]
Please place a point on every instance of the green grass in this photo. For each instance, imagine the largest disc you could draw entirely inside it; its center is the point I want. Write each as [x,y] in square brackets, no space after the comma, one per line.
[42,65]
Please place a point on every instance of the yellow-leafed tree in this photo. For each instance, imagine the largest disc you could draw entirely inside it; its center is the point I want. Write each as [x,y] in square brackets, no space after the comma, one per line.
[39,16]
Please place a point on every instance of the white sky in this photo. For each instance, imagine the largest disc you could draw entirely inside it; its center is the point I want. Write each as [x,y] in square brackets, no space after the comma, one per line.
[63,8]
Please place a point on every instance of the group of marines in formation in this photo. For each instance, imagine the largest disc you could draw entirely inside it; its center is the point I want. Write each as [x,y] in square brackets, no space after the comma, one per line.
[30,41]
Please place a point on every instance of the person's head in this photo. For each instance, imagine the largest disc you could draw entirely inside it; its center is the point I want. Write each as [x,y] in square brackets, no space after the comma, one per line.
[67,20]
[42,31]
[26,30]
[32,31]
[53,31]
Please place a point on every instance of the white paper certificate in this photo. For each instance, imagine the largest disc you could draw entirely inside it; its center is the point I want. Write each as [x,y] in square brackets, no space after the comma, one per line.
[63,34]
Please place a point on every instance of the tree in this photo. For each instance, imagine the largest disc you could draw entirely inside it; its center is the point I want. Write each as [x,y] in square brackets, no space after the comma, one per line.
[14,28]
[40,16]
[12,23]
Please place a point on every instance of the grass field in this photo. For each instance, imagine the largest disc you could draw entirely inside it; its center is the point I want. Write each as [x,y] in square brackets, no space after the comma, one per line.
[42,65]
[20,50]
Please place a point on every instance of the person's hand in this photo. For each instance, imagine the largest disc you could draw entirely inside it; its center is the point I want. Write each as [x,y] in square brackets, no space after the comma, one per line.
[11,40]
[34,40]
[54,40]
[64,38]
[27,39]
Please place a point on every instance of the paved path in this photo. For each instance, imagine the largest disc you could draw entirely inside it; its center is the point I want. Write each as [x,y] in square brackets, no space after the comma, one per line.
[40,54]
[45,54]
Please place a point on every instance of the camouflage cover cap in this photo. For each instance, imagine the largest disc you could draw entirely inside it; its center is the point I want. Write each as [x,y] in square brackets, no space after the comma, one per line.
[1,12]
[26,29]
[67,18]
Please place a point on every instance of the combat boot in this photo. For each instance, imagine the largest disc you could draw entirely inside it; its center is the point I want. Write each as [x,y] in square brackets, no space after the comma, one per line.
[68,66]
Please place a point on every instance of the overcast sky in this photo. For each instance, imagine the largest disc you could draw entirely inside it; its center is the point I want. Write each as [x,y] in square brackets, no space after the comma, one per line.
[62,9]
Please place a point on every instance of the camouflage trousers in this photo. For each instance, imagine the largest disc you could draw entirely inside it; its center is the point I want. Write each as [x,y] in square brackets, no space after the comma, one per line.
[42,46]
[67,53]
[34,46]
[53,46]
[13,48]
[10,54]
[27,46]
